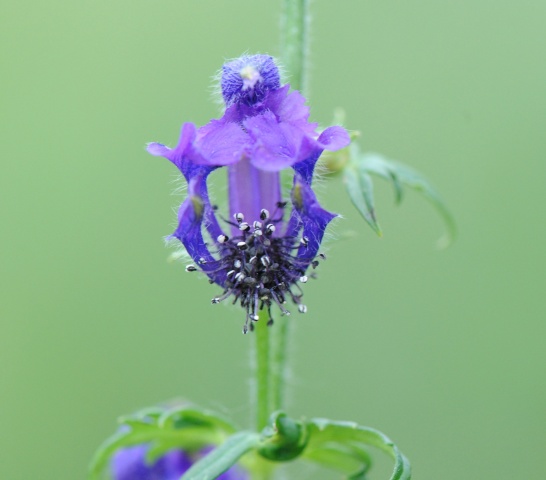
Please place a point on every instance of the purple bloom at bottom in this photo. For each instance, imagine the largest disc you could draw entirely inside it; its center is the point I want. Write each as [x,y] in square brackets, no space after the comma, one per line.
[129,464]
[272,241]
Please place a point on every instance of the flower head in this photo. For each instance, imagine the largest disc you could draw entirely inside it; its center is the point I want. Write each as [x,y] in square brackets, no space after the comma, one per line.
[272,240]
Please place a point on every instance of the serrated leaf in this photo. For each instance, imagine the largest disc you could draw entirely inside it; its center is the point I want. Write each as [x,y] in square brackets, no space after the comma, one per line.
[359,186]
[403,176]
[223,457]
[327,433]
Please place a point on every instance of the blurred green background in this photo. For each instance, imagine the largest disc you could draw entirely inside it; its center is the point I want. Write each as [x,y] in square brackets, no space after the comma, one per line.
[443,351]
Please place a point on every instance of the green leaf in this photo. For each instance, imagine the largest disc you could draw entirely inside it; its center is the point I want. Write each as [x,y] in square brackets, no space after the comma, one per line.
[351,460]
[359,186]
[326,435]
[185,416]
[223,457]
[187,428]
[402,175]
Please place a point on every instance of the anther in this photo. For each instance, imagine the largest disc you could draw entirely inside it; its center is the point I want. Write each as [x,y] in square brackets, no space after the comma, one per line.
[257,225]
[253,260]
[242,245]
[254,317]
[265,261]
[314,263]
[303,279]
[222,238]
[245,227]
[191,268]
[304,241]
[322,256]
[202,261]
[302,308]
[258,233]
[281,204]
[270,229]
[239,217]
[264,214]
[270,322]
[237,263]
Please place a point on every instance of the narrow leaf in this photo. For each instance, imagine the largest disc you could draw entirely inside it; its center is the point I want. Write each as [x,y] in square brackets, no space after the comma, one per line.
[223,457]
[403,176]
[360,189]
[160,440]
[325,432]
[181,416]
[350,460]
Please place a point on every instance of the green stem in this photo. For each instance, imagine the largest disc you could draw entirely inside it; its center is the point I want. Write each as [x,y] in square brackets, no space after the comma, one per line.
[294,41]
[261,331]
[294,46]
[271,350]
[278,364]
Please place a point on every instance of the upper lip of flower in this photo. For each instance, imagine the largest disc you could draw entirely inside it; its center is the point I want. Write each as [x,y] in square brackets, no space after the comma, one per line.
[273,135]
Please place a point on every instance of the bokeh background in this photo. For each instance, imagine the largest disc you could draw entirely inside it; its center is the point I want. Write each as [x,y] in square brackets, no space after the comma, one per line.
[442,350]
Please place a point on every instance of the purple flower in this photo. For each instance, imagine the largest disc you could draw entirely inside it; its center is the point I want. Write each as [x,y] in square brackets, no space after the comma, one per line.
[264,130]
[129,464]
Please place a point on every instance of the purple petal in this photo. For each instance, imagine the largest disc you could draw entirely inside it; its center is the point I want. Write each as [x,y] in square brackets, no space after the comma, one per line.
[219,143]
[334,138]
[178,155]
[311,217]
[158,149]
[292,109]
[129,464]
[194,213]
[276,145]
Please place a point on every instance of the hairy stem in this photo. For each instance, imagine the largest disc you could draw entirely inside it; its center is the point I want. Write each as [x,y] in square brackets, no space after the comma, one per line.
[294,41]
[263,369]
[278,365]
[294,45]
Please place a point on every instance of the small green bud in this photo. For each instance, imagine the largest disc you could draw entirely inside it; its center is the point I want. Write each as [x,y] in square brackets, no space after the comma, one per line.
[283,440]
